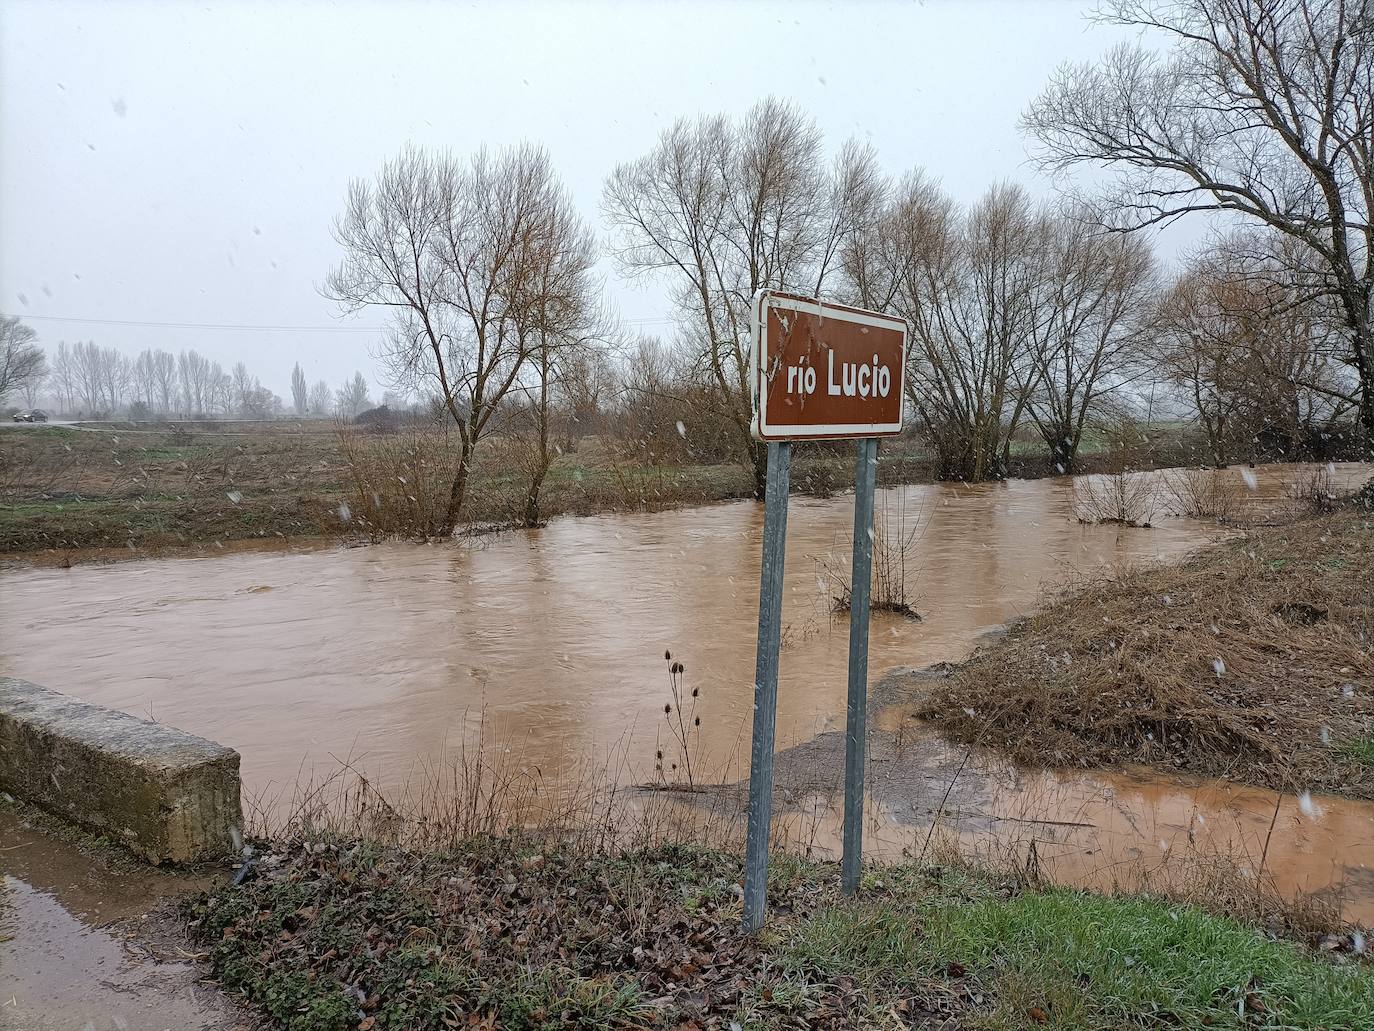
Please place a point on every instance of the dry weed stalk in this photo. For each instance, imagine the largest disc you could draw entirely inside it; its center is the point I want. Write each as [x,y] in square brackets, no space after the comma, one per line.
[895,542]
[684,727]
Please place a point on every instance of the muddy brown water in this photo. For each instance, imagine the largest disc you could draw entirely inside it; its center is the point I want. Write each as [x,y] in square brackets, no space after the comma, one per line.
[550,644]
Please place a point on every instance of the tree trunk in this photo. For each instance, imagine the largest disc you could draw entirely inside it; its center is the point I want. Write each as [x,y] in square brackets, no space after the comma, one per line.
[457,492]
[531,519]
[1367,405]
[1363,326]
[1063,454]
[541,464]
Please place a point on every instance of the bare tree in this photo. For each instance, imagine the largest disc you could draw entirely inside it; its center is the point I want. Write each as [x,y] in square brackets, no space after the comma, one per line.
[103,376]
[1200,348]
[244,386]
[967,283]
[300,395]
[1264,109]
[163,367]
[558,316]
[33,385]
[221,393]
[155,379]
[21,360]
[321,398]
[724,209]
[64,377]
[449,247]
[1252,359]
[1093,296]
[353,397]
[584,389]
[144,379]
[196,376]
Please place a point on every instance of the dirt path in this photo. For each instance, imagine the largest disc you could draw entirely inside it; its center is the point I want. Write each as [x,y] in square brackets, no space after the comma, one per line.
[90,945]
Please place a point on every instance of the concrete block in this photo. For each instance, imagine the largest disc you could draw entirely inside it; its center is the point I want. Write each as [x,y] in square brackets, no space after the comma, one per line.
[167,795]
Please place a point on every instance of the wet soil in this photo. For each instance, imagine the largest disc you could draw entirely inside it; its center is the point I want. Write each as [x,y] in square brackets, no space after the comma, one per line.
[92,941]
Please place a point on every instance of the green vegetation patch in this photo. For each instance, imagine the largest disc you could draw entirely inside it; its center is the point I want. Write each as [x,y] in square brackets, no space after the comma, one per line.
[345,935]
[1072,960]
[1361,750]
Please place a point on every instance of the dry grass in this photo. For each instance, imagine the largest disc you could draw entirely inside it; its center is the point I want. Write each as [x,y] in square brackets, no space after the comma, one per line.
[397,484]
[1253,660]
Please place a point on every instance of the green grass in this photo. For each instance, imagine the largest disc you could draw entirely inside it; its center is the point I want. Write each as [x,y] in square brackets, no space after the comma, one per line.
[1361,750]
[1084,961]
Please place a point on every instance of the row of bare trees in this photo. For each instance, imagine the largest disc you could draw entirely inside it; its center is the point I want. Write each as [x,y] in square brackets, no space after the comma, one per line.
[86,378]
[1021,313]
[1260,112]
[1024,314]
[1018,313]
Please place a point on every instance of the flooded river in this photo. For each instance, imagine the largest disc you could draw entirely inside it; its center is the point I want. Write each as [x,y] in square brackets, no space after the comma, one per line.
[553,641]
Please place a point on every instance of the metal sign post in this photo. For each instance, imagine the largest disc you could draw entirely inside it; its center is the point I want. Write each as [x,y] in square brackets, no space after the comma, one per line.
[766,685]
[819,372]
[856,714]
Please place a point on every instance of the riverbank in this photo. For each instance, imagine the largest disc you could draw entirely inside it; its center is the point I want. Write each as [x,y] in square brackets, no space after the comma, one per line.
[1253,660]
[97,493]
[508,934]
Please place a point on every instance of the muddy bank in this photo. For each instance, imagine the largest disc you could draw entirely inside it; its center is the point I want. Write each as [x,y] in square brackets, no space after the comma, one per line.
[90,940]
[1253,660]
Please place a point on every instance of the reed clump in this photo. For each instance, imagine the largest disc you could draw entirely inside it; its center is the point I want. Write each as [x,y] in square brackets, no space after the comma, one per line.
[1203,493]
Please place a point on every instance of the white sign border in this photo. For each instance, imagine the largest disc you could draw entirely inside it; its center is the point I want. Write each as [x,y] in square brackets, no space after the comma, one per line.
[765,299]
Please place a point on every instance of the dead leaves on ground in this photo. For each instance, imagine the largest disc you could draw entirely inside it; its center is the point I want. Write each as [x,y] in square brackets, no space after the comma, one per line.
[493,938]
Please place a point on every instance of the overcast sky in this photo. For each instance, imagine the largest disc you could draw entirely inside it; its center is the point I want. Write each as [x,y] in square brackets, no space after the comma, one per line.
[181,163]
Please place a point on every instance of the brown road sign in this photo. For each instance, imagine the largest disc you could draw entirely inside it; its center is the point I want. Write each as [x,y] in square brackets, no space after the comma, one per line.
[825,370]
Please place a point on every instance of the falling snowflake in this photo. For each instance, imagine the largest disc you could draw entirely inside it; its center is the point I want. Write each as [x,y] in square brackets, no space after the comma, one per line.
[1309,808]
[1218,666]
